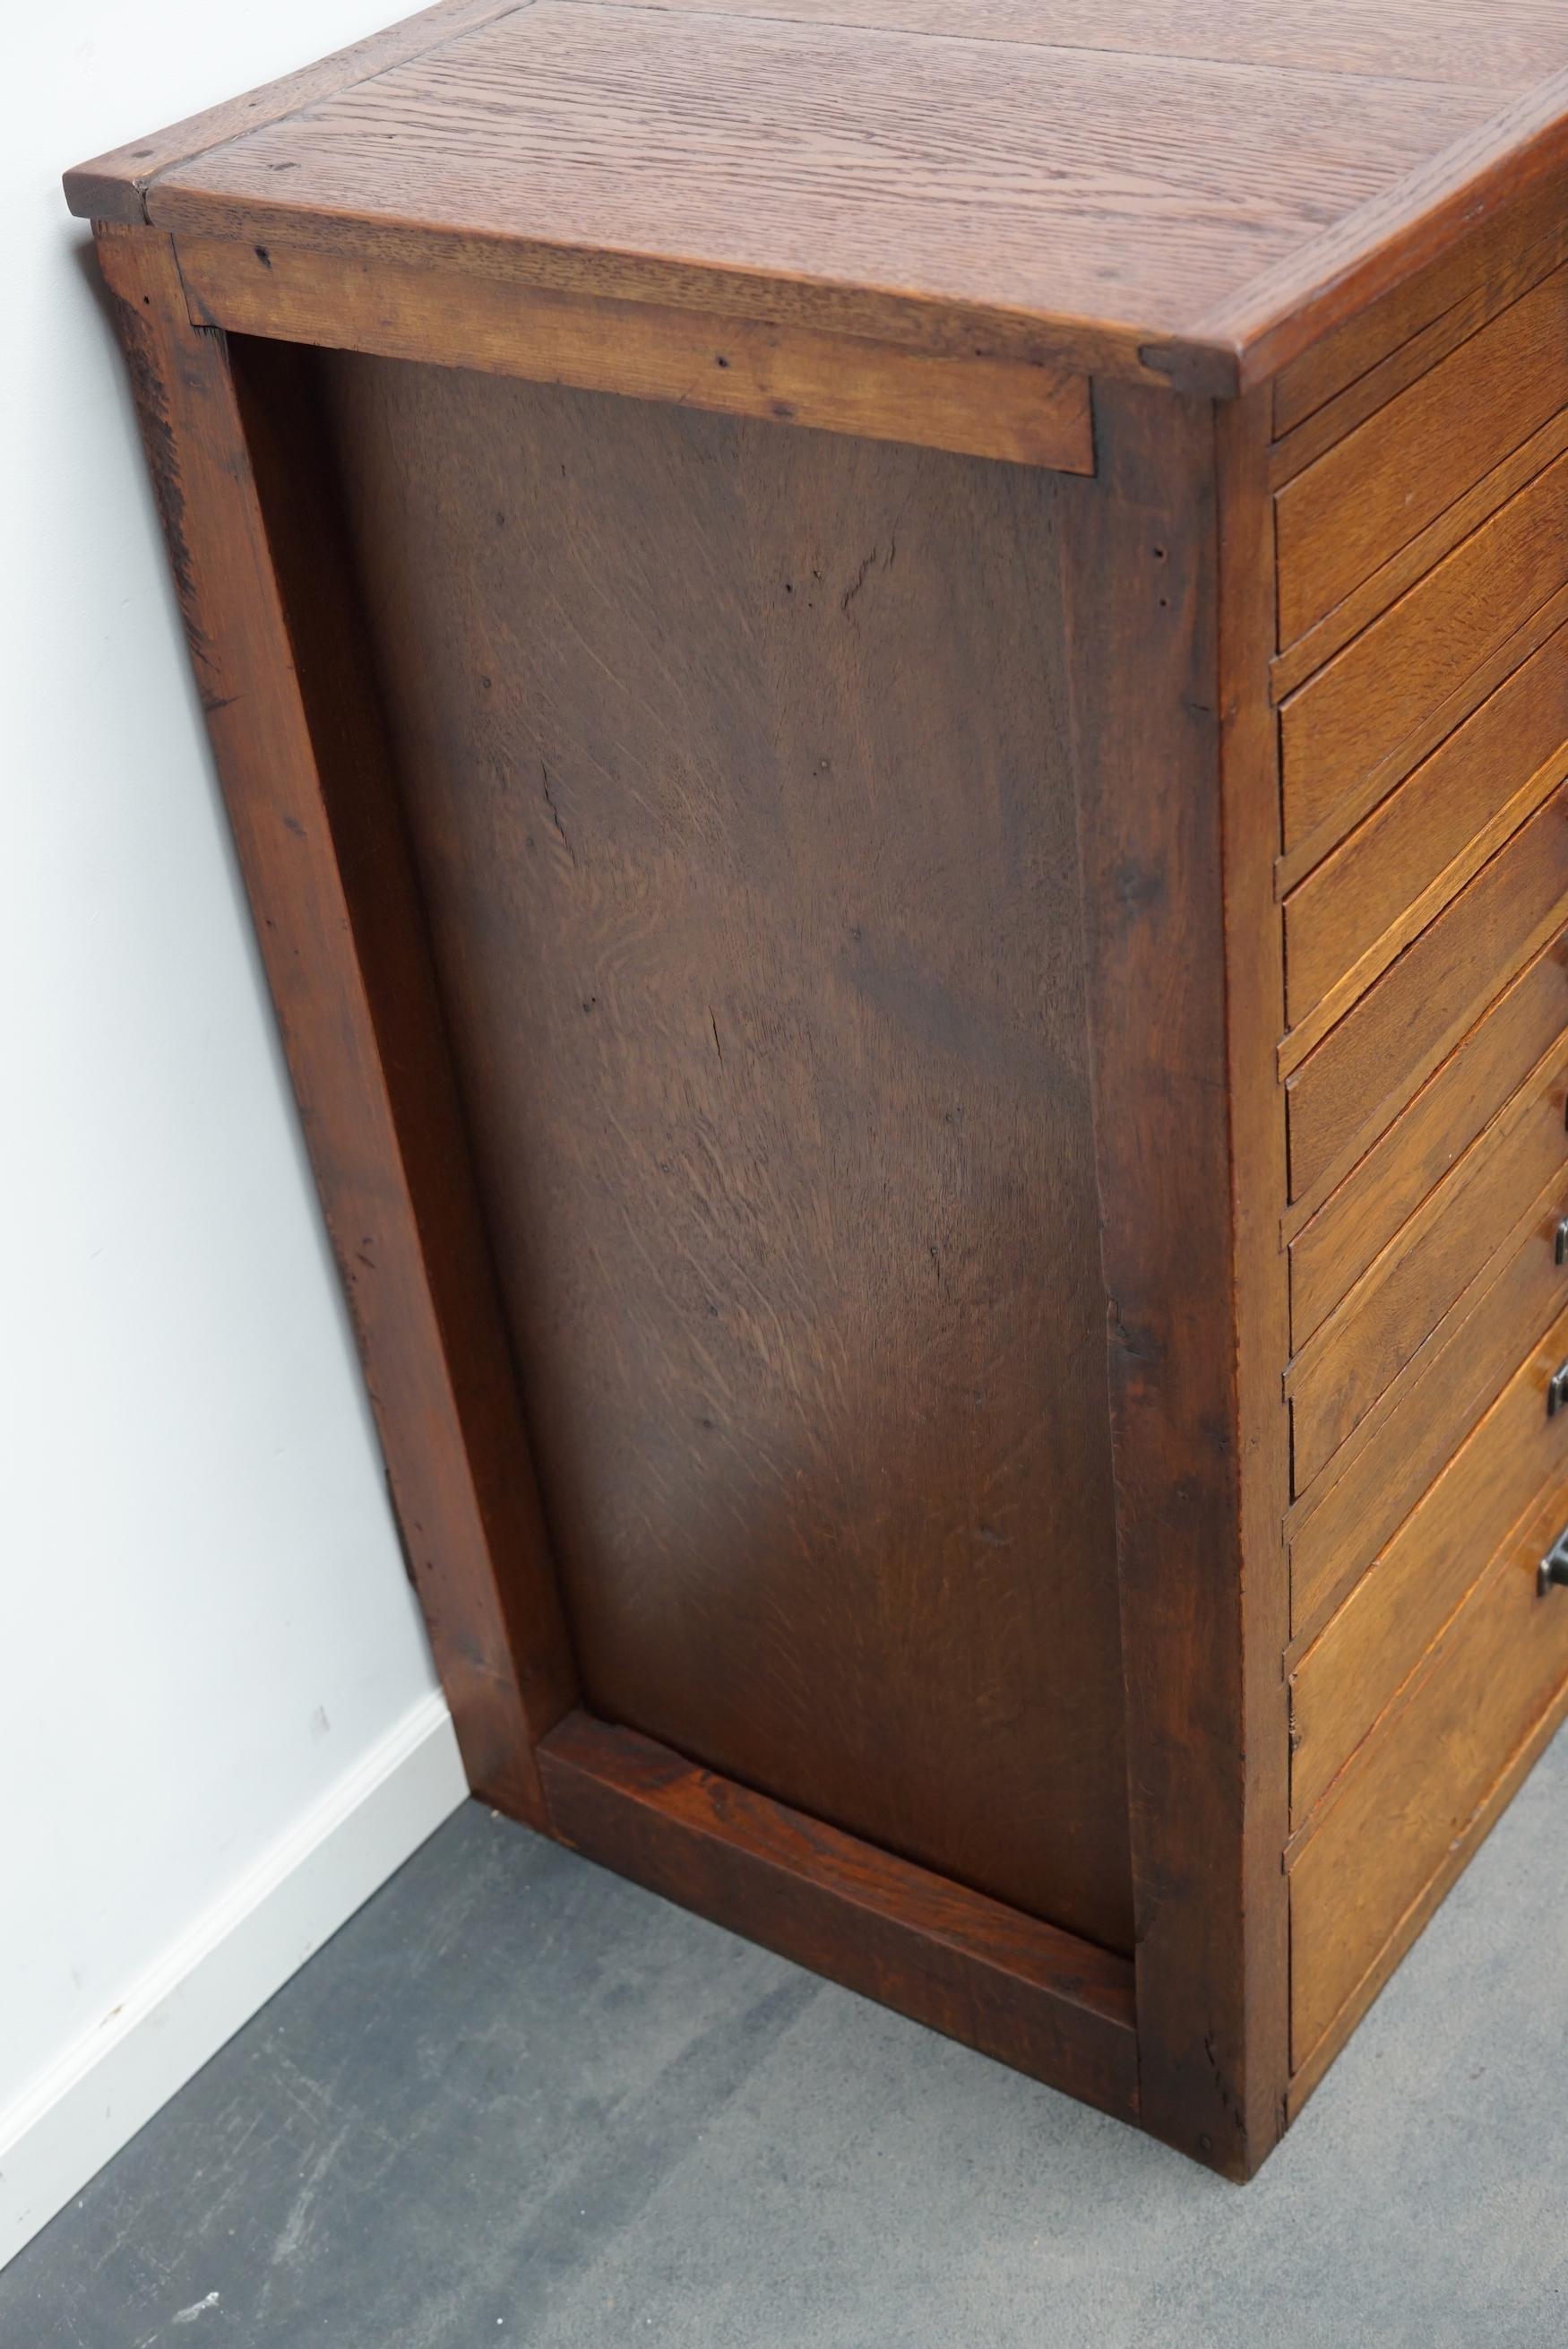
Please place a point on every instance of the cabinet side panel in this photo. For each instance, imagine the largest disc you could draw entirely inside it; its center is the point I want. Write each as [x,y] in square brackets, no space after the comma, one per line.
[734,759]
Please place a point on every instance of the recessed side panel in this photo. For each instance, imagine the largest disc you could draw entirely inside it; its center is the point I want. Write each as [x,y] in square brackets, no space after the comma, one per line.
[733,758]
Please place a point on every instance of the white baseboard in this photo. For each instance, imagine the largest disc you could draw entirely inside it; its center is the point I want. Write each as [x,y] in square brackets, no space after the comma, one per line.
[90,2103]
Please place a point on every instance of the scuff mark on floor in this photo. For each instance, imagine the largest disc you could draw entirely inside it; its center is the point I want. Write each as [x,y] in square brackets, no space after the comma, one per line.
[296,2226]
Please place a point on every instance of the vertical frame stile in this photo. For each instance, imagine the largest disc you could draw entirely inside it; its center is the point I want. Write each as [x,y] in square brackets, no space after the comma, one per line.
[1153,729]
[1254,964]
[304,772]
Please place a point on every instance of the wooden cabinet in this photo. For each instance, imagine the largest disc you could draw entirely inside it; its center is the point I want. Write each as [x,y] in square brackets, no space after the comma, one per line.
[895,704]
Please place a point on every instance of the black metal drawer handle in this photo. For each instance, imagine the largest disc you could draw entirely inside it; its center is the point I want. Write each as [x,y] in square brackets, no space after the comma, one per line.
[1551,1574]
[1557,1391]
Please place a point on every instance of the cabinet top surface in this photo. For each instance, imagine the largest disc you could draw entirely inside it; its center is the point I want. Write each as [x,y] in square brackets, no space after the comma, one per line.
[1187,174]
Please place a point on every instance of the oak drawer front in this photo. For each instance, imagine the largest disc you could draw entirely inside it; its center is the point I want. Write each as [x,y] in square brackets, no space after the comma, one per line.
[1358,909]
[1366,1069]
[1457,1102]
[1402,334]
[1427,1266]
[1380,486]
[1413,1431]
[1368,1648]
[1374,696]
[1423,1775]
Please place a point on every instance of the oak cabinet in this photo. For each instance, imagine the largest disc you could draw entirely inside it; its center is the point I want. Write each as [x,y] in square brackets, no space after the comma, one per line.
[896,710]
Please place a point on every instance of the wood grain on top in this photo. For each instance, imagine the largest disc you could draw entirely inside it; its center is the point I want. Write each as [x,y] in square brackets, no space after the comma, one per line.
[1478,42]
[1136,176]
[113,186]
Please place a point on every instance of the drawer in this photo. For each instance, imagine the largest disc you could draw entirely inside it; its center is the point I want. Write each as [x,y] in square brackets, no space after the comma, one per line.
[1457,1102]
[1409,1435]
[1404,332]
[1424,1774]
[1374,696]
[1366,1651]
[1368,1066]
[1363,905]
[1384,482]
[1426,1267]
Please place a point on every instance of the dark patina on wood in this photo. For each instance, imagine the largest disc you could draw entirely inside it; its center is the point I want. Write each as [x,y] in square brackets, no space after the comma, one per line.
[890,702]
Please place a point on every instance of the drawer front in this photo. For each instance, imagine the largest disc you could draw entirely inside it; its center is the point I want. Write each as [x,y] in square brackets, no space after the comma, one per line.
[1376,694]
[1365,1069]
[1331,1251]
[1409,1435]
[1403,333]
[1366,1651]
[1424,1774]
[1358,909]
[1382,484]
[1427,1267]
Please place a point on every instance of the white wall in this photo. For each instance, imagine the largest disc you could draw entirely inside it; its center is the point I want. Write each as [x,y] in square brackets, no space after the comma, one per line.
[208,1649]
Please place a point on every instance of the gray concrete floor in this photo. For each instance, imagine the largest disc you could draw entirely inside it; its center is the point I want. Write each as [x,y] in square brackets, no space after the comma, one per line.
[518,2101]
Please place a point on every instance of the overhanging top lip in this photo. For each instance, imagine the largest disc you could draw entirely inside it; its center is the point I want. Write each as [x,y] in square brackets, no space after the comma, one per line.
[219,173]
